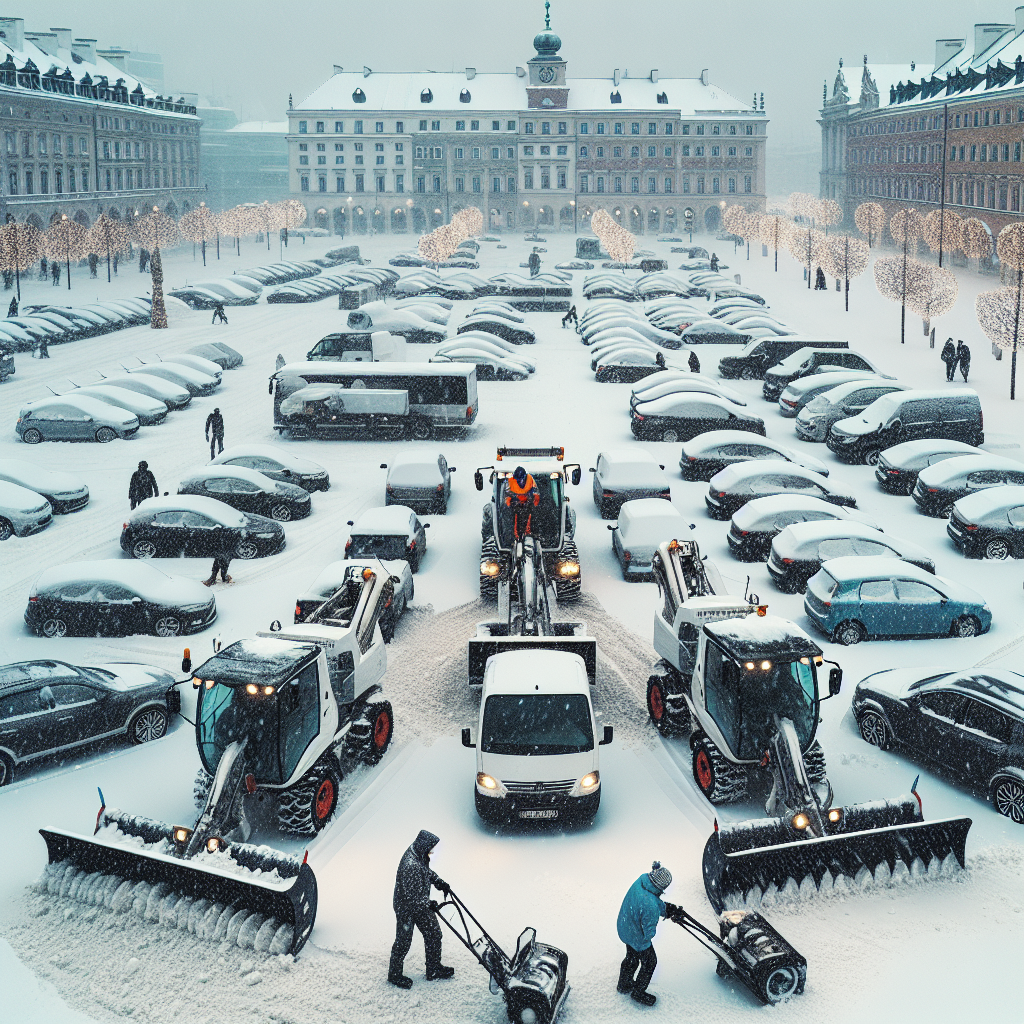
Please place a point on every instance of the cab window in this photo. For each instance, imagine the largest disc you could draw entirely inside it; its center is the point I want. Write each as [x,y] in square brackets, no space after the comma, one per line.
[300,717]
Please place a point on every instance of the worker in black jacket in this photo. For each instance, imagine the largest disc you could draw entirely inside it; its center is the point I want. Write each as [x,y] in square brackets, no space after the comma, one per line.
[142,485]
[215,431]
[412,910]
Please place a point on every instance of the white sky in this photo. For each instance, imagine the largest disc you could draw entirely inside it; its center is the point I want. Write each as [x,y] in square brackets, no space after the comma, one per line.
[252,54]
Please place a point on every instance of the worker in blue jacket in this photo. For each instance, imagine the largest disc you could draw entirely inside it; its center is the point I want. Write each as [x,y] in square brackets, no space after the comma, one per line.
[641,910]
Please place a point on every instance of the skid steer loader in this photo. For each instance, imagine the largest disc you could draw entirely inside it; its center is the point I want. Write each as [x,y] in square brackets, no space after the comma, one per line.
[279,718]
[744,688]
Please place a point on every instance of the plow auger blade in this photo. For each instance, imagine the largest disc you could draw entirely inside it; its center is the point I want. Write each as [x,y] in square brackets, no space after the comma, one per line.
[250,896]
[873,840]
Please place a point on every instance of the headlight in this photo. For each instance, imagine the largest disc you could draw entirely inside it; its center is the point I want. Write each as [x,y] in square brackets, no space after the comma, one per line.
[590,781]
[835,815]
[485,781]
[568,568]
[801,821]
[489,568]
[214,845]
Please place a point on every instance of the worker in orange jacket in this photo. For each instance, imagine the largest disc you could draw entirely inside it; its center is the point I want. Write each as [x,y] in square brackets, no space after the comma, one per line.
[522,497]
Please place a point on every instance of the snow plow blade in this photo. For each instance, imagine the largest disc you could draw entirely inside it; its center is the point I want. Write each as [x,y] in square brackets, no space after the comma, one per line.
[497,641]
[250,896]
[873,840]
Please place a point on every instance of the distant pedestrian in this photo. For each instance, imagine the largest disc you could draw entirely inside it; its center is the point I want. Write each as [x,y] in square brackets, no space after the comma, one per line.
[215,431]
[218,314]
[142,485]
[55,273]
[12,309]
[714,261]
[950,357]
[641,911]
[143,260]
[94,263]
[694,362]
[660,360]
[534,263]
[116,255]
[225,542]
[820,284]
[43,272]
[44,349]
[571,317]
[964,359]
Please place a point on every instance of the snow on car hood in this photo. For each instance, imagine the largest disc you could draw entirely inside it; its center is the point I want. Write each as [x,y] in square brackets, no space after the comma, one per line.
[415,472]
[38,478]
[131,676]
[144,579]
[897,681]
[20,499]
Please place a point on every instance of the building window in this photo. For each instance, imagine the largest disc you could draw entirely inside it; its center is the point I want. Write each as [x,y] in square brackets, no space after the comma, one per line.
[460,184]
[634,128]
[476,183]
[584,183]
[322,184]
[399,160]
[320,127]
[423,126]
[426,96]
[668,128]
[748,151]
[634,185]
[618,184]
[731,185]
[684,151]
[563,127]
[339,184]
[303,182]
[476,152]
[495,126]
[321,160]
[545,127]
[302,127]
[359,158]
[495,184]
[339,127]
[380,183]
[583,151]
[686,186]
[561,179]
[618,127]
[716,150]
[357,128]
[732,129]
[421,183]
[700,186]
[545,178]
[399,182]
[715,186]
[474,126]
[379,161]
[510,185]
[700,130]
[652,151]
[584,128]
[1016,151]
[359,182]
[528,179]
[460,126]
[652,184]
[399,127]
[495,153]
[437,183]
[600,183]
[732,151]
[698,150]
[459,152]
[749,129]
[600,151]
[545,151]
[746,183]
[668,184]
[635,152]
[528,127]
[303,159]
[716,129]
[601,129]
[685,129]
[511,125]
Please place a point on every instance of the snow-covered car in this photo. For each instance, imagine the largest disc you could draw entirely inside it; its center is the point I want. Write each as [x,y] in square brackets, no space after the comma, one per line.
[743,481]
[673,382]
[798,551]
[233,292]
[149,410]
[217,352]
[989,524]
[815,419]
[68,418]
[627,365]
[501,310]
[680,417]
[636,329]
[499,326]
[797,394]
[249,491]
[409,259]
[172,395]
[643,524]
[898,467]
[706,454]
[277,464]
[756,524]
[626,474]
[713,332]
[188,526]
[939,486]
[419,480]
[806,361]
[198,298]
[22,511]
[64,492]
[116,597]
[488,367]
[333,576]
[390,531]
[49,709]
[613,346]
[376,316]
[195,382]
[200,363]
[574,265]
[490,345]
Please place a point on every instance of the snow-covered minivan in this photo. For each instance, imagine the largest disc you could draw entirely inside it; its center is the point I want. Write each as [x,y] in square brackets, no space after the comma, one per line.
[536,748]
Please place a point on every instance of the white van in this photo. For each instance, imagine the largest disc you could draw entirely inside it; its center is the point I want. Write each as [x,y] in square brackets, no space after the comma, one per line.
[536,749]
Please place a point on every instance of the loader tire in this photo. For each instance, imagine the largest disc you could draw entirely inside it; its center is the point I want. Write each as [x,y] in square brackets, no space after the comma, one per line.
[488,584]
[307,807]
[667,707]
[201,787]
[568,589]
[370,736]
[717,778]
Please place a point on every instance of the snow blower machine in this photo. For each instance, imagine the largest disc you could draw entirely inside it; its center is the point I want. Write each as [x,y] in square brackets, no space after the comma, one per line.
[744,688]
[532,980]
[279,719]
[531,573]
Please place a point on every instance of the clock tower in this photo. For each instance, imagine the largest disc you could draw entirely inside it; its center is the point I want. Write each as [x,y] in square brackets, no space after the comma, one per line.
[547,88]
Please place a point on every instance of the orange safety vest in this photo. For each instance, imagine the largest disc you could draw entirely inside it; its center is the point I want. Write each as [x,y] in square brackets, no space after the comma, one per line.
[522,494]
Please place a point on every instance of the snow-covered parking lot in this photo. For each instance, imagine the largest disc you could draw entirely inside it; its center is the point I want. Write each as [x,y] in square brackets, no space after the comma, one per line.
[936,950]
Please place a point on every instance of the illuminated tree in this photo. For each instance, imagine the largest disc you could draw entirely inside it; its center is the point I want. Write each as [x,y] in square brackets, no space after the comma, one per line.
[975,239]
[468,222]
[934,296]
[807,246]
[902,279]
[999,312]
[199,225]
[107,237]
[233,223]
[775,233]
[905,226]
[870,219]
[20,246]
[803,206]
[65,241]
[829,212]
[942,231]
[154,231]
[291,214]
[844,258]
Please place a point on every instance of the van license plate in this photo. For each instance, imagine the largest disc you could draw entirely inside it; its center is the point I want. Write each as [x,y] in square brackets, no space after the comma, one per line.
[538,814]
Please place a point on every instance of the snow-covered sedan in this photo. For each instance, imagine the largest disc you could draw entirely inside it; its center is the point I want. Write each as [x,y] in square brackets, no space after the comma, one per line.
[706,454]
[277,464]
[741,482]
[420,480]
[249,491]
[488,366]
[626,474]
[22,511]
[64,492]
[392,531]
[149,410]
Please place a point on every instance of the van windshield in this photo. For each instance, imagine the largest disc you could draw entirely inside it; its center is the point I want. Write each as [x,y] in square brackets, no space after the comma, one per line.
[536,724]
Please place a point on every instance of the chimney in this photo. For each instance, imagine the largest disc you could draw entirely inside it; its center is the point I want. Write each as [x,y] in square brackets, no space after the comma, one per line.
[86,49]
[615,77]
[46,41]
[12,32]
[704,76]
[987,34]
[947,49]
[1018,17]
[338,69]
[654,75]
[63,37]
[115,56]
[470,74]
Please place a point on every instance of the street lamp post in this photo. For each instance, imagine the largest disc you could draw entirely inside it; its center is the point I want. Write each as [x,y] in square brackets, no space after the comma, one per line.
[572,203]
[349,218]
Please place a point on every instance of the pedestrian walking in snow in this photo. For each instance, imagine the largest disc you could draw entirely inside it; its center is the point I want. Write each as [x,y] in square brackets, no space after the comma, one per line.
[44,349]
[534,262]
[12,309]
[950,358]
[142,485]
[820,284]
[963,355]
[694,362]
[94,263]
[143,260]
[55,273]
[571,317]
[43,271]
[116,255]
[218,314]
[215,431]
[641,911]
[714,261]
[225,543]
[660,360]
[411,903]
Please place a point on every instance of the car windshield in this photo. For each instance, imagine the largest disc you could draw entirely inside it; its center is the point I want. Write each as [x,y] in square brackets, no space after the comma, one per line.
[383,545]
[537,723]
[229,713]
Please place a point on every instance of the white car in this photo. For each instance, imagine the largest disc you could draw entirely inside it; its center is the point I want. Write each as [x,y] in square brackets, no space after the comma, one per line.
[389,531]
[488,367]
[22,511]
[193,381]
[277,464]
[420,480]
[203,365]
[64,492]
[625,474]
[643,524]
[674,382]
[536,739]
[149,410]
[477,343]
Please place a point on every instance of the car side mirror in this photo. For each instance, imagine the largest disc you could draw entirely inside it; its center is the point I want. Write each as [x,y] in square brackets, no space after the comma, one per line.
[608,735]
[451,469]
[661,467]
[467,738]
[478,479]
[577,475]
[351,522]
[835,680]
[383,465]
[592,470]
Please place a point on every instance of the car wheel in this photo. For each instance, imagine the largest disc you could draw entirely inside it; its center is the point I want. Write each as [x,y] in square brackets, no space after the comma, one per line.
[421,430]
[748,373]
[6,770]
[143,549]
[849,633]
[672,436]
[55,627]
[871,456]
[167,625]
[148,725]
[965,626]
[32,436]
[281,512]
[105,434]
[246,549]
[997,548]
[6,529]
[1007,796]
[873,730]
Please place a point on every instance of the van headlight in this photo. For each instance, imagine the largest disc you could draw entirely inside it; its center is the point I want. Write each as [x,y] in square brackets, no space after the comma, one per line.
[589,782]
[488,785]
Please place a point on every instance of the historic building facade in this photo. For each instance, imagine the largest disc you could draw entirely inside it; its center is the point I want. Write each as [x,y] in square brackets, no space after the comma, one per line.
[943,134]
[82,137]
[397,152]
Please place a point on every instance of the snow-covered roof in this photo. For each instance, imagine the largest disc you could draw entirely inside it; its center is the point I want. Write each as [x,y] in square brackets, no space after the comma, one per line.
[751,515]
[394,520]
[740,472]
[829,379]
[502,92]
[268,451]
[926,446]
[868,567]
[260,128]
[234,472]
[526,672]
[752,636]
[681,403]
[414,469]
[145,579]
[948,470]
[209,507]
[93,406]
[991,501]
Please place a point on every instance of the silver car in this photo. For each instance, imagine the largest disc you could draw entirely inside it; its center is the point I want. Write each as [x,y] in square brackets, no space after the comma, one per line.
[22,511]
[64,492]
[149,410]
[194,381]
[68,418]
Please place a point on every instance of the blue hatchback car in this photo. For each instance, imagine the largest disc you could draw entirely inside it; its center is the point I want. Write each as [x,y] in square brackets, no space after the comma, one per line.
[856,598]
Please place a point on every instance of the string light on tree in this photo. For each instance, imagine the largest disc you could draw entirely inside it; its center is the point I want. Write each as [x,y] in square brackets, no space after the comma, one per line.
[870,219]
[902,279]
[107,237]
[20,246]
[156,231]
[65,241]
[829,212]
[975,239]
[846,258]
[905,226]
[943,230]
[1000,312]
[934,296]
[198,226]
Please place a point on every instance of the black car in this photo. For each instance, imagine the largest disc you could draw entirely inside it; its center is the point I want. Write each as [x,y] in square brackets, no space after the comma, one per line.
[684,415]
[498,326]
[193,527]
[741,482]
[938,487]
[970,723]
[807,361]
[989,524]
[249,491]
[897,467]
[116,598]
[51,708]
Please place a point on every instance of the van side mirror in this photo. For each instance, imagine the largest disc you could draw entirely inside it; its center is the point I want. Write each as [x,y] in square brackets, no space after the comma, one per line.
[835,681]
[351,522]
[608,735]
[577,475]
[467,738]
[383,465]
[478,479]
[451,469]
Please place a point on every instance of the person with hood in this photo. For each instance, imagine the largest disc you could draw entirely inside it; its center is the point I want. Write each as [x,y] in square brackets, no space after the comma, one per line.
[641,911]
[714,262]
[411,903]
[226,542]
[571,317]
[950,358]
[534,262]
[963,356]
[142,485]
[215,423]
[12,309]
[44,349]
[820,284]
[694,362]
[522,497]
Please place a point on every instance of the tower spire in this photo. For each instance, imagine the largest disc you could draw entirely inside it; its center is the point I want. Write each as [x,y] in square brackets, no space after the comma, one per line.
[547,15]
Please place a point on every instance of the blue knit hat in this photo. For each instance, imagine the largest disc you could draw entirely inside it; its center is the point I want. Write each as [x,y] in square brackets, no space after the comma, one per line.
[659,876]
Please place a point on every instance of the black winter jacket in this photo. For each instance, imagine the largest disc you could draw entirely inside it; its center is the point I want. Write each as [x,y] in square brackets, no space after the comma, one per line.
[414,877]
[142,486]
